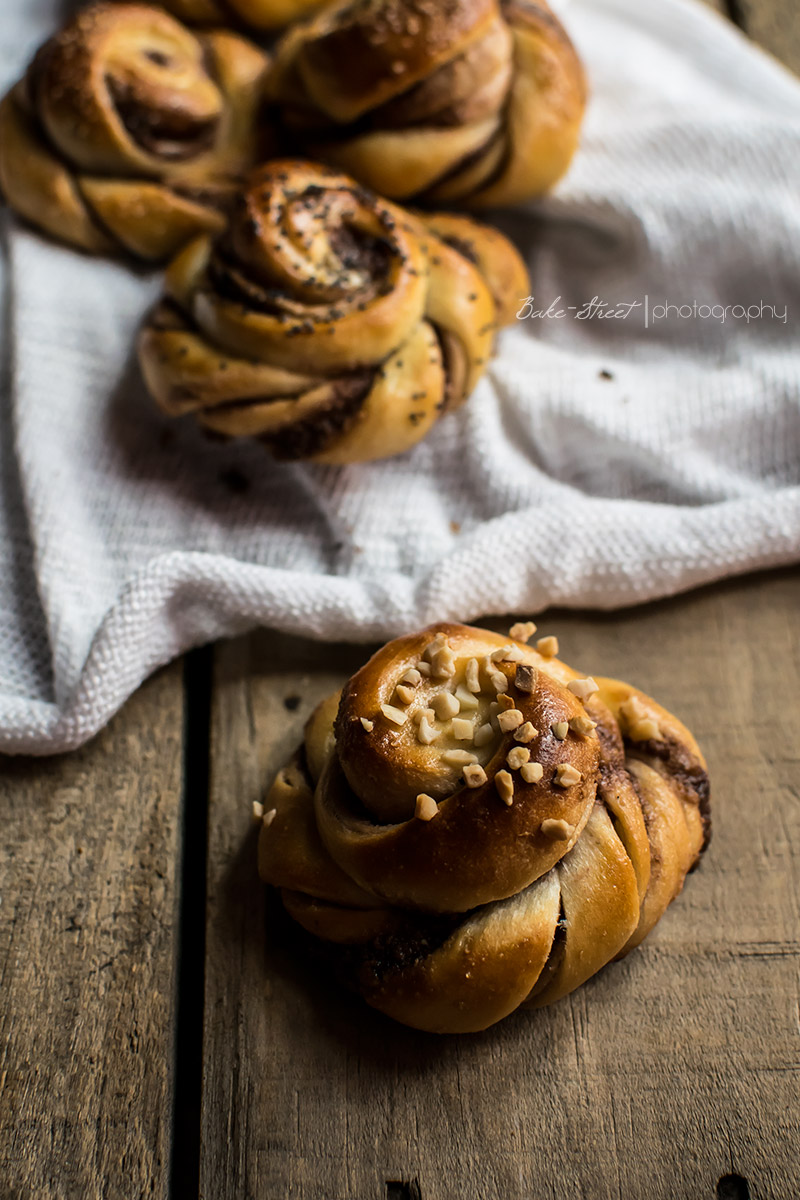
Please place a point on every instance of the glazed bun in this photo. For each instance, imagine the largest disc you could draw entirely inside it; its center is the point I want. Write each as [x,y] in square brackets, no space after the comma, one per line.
[129,132]
[471,826]
[327,322]
[474,102]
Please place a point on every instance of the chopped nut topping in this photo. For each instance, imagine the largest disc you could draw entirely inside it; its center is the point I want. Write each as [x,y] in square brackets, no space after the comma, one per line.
[583,688]
[445,705]
[483,735]
[467,701]
[474,775]
[517,757]
[505,786]
[426,733]
[582,725]
[395,715]
[638,724]
[532,772]
[258,810]
[525,678]
[503,703]
[472,676]
[412,677]
[498,681]
[269,817]
[424,668]
[523,631]
[458,758]
[443,663]
[506,654]
[567,775]
[512,718]
[559,831]
[463,730]
[560,729]
[419,713]
[368,725]
[526,733]
[427,808]
[438,643]
[404,693]
[547,647]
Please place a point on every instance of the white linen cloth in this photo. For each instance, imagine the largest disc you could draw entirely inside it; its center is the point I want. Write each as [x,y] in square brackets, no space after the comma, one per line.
[125,539]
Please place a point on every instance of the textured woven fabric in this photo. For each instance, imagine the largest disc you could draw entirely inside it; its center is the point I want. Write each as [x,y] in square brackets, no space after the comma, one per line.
[601,462]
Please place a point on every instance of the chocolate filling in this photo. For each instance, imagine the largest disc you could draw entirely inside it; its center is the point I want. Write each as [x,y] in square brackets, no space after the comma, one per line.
[313,434]
[167,132]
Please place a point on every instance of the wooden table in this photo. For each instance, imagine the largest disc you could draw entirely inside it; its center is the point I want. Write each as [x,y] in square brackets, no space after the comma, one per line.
[158,1040]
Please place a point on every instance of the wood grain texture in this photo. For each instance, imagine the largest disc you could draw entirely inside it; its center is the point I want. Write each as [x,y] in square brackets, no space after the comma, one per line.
[87,945]
[666,1073]
[774,24]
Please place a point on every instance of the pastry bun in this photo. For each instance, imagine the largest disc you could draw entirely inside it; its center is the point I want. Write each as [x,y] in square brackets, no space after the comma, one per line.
[472,826]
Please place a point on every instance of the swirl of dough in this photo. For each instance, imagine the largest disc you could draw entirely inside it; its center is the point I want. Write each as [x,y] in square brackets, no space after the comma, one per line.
[475,102]
[327,322]
[130,131]
[471,826]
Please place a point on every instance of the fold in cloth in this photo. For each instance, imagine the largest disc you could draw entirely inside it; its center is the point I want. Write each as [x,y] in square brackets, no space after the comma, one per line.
[601,461]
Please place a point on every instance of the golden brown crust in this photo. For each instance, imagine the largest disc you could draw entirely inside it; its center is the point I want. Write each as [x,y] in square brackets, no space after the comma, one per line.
[261,15]
[325,321]
[491,869]
[476,102]
[130,132]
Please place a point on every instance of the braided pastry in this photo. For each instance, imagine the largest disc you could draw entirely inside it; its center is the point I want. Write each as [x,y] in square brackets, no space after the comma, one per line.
[471,826]
[129,131]
[326,322]
[262,15]
[476,102]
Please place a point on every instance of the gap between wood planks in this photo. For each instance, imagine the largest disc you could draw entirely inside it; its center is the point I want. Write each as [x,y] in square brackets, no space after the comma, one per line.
[198,673]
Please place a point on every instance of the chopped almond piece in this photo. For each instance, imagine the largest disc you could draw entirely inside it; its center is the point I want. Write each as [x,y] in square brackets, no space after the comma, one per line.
[582,724]
[505,786]
[517,757]
[567,775]
[258,810]
[526,733]
[404,693]
[472,676]
[547,647]
[583,688]
[445,705]
[458,758]
[427,808]
[532,772]
[560,729]
[558,830]
[395,715]
[466,700]
[522,631]
[525,678]
[512,718]
[368,725]
[463,730]
[426,733]
[270,816]
[474,775]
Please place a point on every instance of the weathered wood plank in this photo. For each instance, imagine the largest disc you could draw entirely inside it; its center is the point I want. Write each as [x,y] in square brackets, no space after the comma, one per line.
[87,946]
[774,24]
[665,1074]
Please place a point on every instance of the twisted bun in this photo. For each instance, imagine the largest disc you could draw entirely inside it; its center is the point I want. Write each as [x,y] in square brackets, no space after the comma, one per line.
[129,131]
[471,826]
[263,15]
[475,102]
[326,322]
